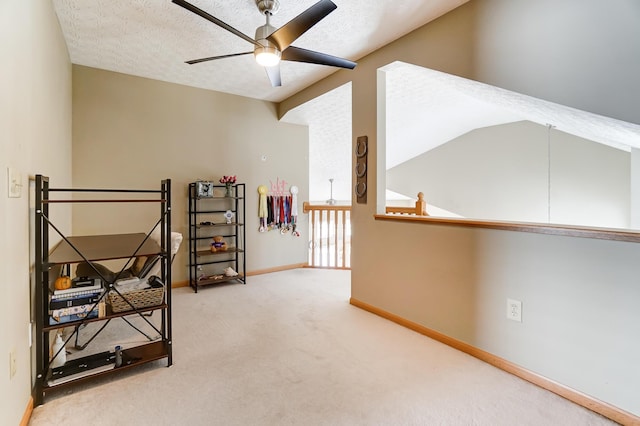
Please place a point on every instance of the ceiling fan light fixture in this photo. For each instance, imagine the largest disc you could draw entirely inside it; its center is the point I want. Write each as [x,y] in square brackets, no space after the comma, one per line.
[267,56]
[270,43]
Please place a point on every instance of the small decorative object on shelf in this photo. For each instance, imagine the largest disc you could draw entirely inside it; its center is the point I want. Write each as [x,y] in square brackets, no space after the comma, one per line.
[228,181]
[218,244]
[204,189]
[62,283]
[228,215]
[59,352]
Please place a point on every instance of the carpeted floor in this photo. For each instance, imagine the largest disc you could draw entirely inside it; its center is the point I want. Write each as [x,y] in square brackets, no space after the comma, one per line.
[288,349]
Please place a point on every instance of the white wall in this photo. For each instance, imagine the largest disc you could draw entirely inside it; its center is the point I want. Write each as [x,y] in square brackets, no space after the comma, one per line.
[35,136]
[131,132]
[577,53]
[502,173]
[635,188]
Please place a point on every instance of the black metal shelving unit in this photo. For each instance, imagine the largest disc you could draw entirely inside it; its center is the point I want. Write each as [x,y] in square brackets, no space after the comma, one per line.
[206,219]
[76,249]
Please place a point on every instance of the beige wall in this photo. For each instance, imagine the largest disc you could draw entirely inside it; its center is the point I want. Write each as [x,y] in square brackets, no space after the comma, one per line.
[131,132]
[580,325]
[35,136]
[502,173]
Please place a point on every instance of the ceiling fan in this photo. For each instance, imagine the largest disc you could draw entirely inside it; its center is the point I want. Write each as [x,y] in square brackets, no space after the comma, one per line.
[273,45]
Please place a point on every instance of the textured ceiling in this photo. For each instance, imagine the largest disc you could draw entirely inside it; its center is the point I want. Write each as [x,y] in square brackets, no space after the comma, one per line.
[153,38]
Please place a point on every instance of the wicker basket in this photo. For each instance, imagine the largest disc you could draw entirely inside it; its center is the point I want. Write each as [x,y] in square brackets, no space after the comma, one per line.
[138,298]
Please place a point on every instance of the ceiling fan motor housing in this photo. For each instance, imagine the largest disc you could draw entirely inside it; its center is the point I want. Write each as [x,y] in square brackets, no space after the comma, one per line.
[268,6]
[268,48]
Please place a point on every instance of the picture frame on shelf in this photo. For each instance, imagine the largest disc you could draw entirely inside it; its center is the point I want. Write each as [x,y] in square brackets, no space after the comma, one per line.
[204,189]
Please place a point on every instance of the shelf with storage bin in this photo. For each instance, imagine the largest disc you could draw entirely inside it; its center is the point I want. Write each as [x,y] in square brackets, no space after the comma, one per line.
[206,220]
[50,262]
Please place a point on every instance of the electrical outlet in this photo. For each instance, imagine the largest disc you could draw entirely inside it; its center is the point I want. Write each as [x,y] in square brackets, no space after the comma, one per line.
[514,310]
[12,363]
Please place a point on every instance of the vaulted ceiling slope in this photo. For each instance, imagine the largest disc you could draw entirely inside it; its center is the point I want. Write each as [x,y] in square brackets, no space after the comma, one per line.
[427,108]
[154,38]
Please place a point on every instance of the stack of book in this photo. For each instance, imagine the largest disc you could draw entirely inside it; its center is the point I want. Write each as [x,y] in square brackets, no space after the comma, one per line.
[76,303]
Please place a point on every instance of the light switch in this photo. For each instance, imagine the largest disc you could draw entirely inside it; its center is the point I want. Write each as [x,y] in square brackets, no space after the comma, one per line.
[15,183]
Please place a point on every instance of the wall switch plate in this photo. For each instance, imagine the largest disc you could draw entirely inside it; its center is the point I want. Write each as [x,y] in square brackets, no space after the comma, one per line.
[12,363]
[514,310]
[15,183]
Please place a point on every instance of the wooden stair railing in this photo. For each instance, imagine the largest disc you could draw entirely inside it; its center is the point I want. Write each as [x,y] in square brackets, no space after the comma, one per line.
[419,210]
[330,235]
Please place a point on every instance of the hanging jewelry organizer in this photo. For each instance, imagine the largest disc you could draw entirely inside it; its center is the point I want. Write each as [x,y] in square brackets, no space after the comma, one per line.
[278,208]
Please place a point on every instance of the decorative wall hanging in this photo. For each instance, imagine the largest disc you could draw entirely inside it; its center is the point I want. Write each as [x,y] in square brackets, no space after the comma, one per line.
[294,210]
[263,211]
[360,187]
[277,209]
